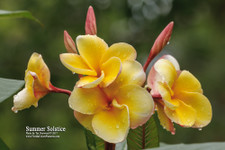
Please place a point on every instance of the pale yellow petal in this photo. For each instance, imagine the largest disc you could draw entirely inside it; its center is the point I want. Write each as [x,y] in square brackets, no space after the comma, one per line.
[24,99]
[112,125]
[139,102]
[201,105]
[76,64]
[164,120]
[183,115]
[187,82]
[36,64]
[87,101]
[84,120]
[91,49]
[90,81]
[166,72]
[132,73]
[121,50]
[112,69]
[172,60]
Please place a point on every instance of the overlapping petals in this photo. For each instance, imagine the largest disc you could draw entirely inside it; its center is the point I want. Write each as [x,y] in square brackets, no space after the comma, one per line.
[182,100]
[99,63]
[109,112]
[37,84]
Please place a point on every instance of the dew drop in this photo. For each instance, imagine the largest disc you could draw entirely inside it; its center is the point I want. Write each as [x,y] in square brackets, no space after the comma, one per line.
[200,129]
[16,111]
[168,43]
[73,72]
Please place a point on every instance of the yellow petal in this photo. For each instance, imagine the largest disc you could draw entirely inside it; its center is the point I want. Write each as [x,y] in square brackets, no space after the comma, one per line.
[121,50]
[111,68]
[164,120]
[112,125]
[166,72]
[33,83]
[187,82]
[24,99]
[76,64]
[172,60]
[87,101]
[84,120]
[36,64]
[201,105]
[184,115]
[91,49]
[90,81]
[166,94]
[132,73]
[139,102]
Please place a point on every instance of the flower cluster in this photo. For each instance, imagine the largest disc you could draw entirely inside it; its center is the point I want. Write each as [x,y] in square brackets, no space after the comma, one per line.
[109,98]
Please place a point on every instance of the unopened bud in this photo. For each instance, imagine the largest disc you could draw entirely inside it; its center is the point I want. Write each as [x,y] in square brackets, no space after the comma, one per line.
[69,43]
[90,24]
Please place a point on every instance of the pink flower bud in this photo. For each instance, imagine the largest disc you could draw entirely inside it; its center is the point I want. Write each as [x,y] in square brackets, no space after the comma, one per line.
[69,43]
[160,43]
[90,24]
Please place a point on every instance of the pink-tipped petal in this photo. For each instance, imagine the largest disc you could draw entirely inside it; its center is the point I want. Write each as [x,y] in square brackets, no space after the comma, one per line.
[69,43]
[90,24]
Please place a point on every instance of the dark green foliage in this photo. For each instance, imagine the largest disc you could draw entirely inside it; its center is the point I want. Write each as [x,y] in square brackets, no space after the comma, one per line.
[145,136]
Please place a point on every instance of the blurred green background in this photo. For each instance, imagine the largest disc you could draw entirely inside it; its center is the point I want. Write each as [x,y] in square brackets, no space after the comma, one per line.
[198,43]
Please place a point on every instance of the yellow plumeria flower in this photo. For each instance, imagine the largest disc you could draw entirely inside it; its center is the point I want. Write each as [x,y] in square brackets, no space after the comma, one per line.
[99,63]
[180,95]
[37,82]
[109,112]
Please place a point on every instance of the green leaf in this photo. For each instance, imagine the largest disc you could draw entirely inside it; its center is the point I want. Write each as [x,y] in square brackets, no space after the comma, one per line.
[9,87]
[96,143]
[93,142]
[18,14]
[3,146]
[199,146]
[145,136]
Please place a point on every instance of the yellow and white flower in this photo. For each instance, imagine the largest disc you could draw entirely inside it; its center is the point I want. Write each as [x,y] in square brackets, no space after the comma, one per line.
[180,95]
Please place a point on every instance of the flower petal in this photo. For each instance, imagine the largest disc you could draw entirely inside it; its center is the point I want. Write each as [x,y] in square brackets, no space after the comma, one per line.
[89,81]
[91,49]
[201,105]
[139,102]
[121,50]
[164,120]
[163,71]
[184,115]
[76,64]
[33,83]
[111,68]
[132,73]
[84,120]
[166,94]
[36,64]
[112,125]
[24,99]
[172,60]
[87,101]
[187,82]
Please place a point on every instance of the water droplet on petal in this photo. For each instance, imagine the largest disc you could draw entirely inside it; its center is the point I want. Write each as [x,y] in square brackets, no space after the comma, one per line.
[200,129]
[168,43]
[73,72]
[117,126]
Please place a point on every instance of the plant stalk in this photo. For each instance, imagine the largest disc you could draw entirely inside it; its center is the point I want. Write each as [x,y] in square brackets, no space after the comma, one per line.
[110,146]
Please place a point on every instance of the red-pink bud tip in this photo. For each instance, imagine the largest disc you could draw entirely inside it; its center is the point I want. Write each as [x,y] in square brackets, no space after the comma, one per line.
[69,43]
[90,24]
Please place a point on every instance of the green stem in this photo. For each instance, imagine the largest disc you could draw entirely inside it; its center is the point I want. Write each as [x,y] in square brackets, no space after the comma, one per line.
[110,146]
[143,136]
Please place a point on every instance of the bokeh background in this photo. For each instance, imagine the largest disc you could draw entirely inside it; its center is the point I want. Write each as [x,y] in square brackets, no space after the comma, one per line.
[198,43]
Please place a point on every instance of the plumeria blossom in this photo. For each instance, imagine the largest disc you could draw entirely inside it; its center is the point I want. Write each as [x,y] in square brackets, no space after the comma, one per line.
[99,63]
[178,95]
[37,84]
[110,111]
